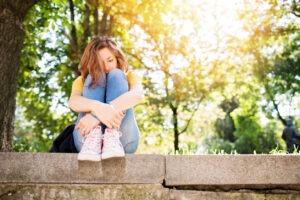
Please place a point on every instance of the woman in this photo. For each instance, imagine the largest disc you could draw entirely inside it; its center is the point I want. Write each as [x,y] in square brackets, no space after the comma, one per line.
[103,96]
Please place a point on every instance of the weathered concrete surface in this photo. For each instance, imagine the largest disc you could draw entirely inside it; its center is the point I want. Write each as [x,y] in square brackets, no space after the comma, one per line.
[62,176]
[234,195]
[234,171]
[65,168]
[82,192]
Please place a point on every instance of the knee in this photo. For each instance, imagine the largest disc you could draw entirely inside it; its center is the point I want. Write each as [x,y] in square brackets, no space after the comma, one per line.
[131,147]
[78,140]
[115,74]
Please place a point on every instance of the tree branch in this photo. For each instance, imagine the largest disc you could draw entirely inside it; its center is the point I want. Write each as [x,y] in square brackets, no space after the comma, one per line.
[191,117]
[275,105]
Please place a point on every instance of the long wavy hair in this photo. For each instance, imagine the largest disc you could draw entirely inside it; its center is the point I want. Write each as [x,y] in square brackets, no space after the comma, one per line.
[91,62]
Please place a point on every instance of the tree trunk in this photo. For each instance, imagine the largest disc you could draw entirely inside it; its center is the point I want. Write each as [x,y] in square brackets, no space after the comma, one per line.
[103,22]
[111,23]
[176,131]
[96,21]
[12,14]
[74,55]
[105,14]
[86,26]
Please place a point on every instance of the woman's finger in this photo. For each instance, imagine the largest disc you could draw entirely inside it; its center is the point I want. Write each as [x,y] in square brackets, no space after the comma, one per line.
[119,116]
[82,131]
[122,113]
[106,123]
[109,125]
[118,123]
[78,126]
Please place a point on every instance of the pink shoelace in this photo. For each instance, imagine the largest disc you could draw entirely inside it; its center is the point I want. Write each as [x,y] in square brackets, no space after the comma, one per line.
[93,141]
[111,138]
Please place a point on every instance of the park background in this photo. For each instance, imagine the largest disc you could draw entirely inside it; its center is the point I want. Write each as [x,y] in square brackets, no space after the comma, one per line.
[219,76]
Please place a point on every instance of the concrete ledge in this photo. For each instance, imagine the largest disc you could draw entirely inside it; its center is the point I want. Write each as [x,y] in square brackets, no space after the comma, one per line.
[65,168]
[84,191]
[233,171]
[197,172]
[234,195]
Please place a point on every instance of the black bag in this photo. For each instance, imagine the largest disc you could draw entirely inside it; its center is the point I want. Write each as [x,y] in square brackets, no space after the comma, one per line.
[64,143]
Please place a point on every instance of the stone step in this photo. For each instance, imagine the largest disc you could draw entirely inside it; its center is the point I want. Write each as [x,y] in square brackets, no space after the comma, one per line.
[233,171]
[153,177]
[83,191]
[65,168]
[184,172]
[235,195]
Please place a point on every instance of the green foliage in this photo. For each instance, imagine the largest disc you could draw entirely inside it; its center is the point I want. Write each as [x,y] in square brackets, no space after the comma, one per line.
[275,45]
[225,127]
[24,140]
[216,144]
[252,137]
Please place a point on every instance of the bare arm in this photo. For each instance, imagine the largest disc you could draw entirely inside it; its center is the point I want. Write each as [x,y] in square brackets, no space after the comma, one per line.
[110,116]
[78,103]
[105,113]
[127,100]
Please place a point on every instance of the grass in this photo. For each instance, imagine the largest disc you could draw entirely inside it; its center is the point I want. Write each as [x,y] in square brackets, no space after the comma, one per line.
[280,151]
[185,151]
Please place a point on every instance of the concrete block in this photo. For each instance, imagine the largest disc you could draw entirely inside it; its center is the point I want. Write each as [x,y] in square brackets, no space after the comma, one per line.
[84,191]
[233,171]
[65,168]
[233,195]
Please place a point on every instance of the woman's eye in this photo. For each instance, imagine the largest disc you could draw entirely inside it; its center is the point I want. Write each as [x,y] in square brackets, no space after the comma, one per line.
[111,60]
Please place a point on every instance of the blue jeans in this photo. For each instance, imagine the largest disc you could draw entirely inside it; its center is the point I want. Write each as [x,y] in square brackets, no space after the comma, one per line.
[116,85]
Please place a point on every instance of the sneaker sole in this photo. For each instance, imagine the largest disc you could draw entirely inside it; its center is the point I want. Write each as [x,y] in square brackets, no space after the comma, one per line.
[112,156]
[89,157]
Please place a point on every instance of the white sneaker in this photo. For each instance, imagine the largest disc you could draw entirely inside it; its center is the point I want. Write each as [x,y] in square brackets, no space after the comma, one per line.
[91,149]
[112,147]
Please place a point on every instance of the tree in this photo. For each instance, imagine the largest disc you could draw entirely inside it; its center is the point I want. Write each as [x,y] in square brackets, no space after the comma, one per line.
[273,44]
[250,135]
[12,14]
[225,127]
[186,74]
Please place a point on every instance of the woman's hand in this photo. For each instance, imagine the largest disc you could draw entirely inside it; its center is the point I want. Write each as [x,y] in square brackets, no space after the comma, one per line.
[108,115]
[86,124]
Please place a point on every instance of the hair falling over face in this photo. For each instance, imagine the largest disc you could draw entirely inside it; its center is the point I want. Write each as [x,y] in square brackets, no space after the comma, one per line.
[91,62]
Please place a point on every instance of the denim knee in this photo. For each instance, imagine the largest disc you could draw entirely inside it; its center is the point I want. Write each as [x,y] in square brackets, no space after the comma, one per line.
[130,132]
[116,84]
[115,74]
[131,147]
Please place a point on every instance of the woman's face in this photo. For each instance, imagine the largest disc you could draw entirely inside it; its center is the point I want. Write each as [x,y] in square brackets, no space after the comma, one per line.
[109,60]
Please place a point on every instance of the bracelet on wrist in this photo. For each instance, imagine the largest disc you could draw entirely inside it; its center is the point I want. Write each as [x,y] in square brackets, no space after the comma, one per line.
[94,115]
[123,111]
[113,107]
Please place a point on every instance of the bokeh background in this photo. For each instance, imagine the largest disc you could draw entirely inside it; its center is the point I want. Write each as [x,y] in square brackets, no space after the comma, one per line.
[219,76]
